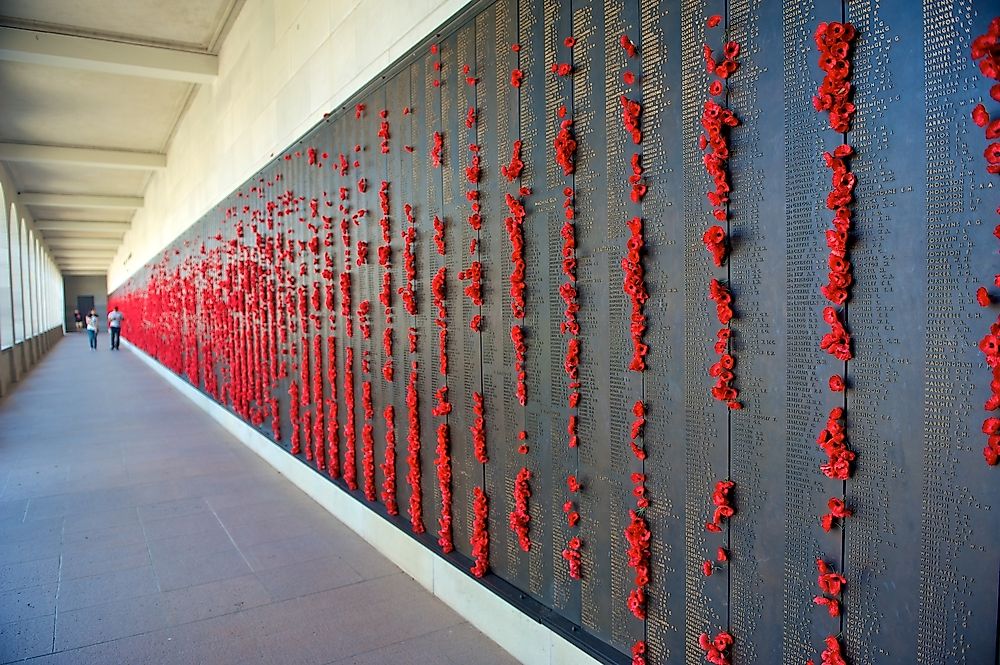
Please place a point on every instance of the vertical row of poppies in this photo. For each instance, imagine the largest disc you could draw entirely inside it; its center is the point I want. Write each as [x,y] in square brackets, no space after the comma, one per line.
[637,533]
[834,42]
[985,51]
[717,120]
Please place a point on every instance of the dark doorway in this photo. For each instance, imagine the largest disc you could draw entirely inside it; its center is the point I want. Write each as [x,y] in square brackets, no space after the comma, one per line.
[85,304]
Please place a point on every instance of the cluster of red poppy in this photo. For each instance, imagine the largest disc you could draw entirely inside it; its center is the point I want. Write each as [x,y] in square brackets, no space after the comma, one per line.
[368,441]
[383,133]
[833,40]
[474,290]
[364,307]
[571,554]
[345,302]
[572,515]
[317,400]
[333,422]
[388,466]
[714,240]
[722,371]
[637,443]
[437,151]
[413,452]
[441,321]
[443,464]
[834,43]
[838,511]
[716,120]
[438,224]
[520,355]
[350,467]
[833,440]
[636,180]
[638,536]
[832,655]
[512,170]
[565,146]
[406,291]
[629,47]
[385,295]
[722,500]
[634,285]
[561,68]
[514,224]
[480,540]
[721,556]
[639,653]
[293,416]
[831,584]
[631,110]
[840,199]
[986,51]
[516,77]
[478,428]
[520,518]
[837,342]
[716,648]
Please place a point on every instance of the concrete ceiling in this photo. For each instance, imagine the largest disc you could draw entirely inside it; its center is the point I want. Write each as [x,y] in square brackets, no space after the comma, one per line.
[92,92]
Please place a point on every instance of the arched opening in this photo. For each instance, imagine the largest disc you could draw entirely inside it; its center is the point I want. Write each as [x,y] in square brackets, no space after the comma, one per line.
[17,293]
[6,310]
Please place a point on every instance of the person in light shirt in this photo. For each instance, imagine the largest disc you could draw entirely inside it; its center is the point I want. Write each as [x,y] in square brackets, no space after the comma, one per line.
[115,319]
[92,320]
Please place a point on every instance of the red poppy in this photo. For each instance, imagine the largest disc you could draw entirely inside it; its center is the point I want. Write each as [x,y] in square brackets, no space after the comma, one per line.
[980,116]
[628,46]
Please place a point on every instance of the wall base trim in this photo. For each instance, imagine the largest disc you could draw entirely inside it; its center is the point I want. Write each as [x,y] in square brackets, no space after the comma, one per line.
[524,638]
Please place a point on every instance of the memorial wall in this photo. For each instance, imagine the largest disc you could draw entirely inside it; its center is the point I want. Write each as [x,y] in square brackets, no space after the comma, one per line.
[670,321]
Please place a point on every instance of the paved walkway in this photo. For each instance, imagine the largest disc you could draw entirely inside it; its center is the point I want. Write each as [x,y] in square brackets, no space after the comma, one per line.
[134,529]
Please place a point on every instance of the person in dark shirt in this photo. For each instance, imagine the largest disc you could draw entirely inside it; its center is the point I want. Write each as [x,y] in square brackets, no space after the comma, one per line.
[78,319]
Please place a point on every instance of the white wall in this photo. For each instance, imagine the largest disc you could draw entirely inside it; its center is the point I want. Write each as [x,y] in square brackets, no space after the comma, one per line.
[282,66]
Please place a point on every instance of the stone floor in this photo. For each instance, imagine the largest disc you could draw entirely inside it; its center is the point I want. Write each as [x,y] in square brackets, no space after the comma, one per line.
[134,529]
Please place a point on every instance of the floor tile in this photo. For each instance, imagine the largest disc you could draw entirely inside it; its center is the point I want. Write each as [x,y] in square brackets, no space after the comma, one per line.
[26,638]
[109,621]
[107,587]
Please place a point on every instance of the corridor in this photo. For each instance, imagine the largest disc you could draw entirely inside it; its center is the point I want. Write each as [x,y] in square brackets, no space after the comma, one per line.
[134,529]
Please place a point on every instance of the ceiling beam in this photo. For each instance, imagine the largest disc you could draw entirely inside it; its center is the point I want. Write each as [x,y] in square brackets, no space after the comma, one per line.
[99,55]
[119,159]
[79,200]
[79,260]
[82,233]
[83,243]
[89,257]
[58,225]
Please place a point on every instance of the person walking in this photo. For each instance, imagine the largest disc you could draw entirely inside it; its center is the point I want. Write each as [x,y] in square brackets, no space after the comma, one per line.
[78,319]
[115,319]
[92,320]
